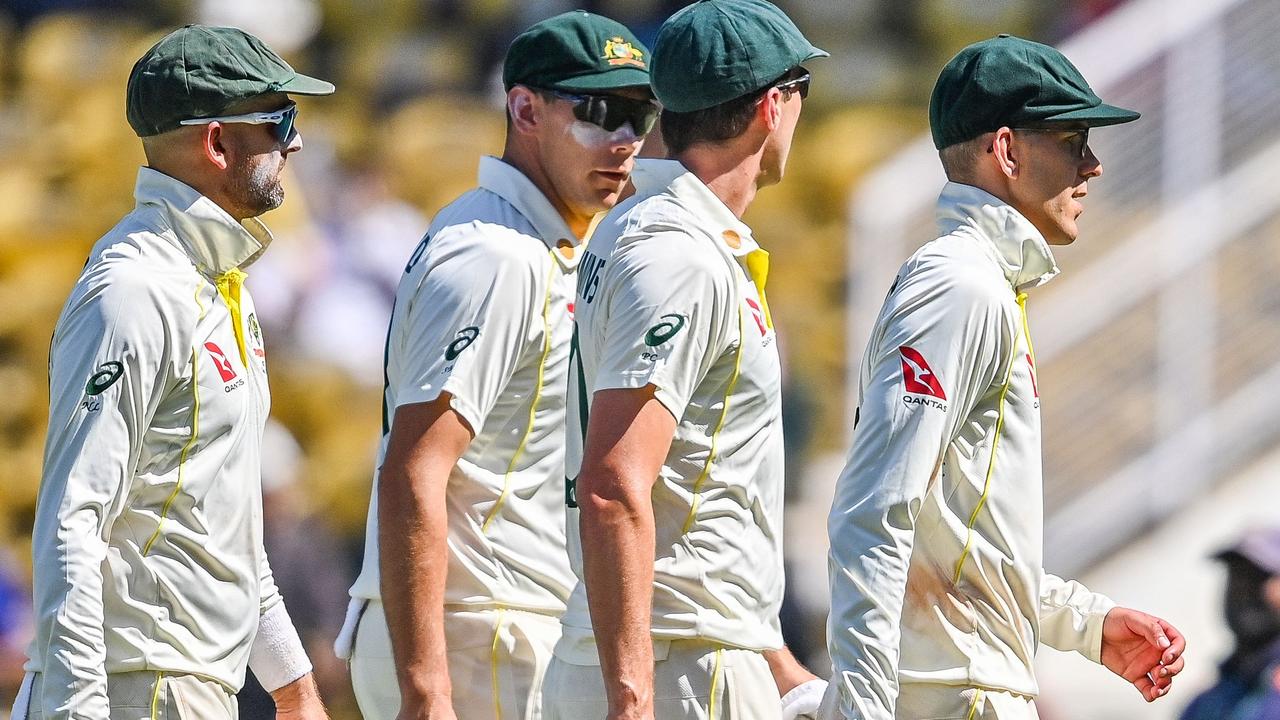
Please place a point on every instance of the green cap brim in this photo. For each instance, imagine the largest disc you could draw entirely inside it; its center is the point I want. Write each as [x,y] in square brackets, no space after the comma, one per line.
[307,85]
[613,79]
[1098,116]
[815,52]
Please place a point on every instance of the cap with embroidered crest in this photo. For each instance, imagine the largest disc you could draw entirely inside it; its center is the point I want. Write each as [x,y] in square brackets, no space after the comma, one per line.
[713,51]
[200,70]
[576,51]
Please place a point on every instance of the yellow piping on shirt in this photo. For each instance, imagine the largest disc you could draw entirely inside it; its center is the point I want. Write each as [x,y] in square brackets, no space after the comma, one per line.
[195,434]
[533,406]
[995,442]
[715,435]
[493,667]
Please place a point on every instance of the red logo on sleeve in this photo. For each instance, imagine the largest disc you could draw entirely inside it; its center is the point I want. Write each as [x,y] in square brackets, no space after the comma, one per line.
[917,376]
[221,362]
[758,315]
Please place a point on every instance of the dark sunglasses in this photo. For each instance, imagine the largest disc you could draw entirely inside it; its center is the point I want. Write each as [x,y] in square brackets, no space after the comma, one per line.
[613,111]
[1078,138]
[797,84]
[283,119]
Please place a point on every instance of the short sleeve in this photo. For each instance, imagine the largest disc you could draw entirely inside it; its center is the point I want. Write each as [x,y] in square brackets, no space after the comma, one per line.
[467,323]
[669,301]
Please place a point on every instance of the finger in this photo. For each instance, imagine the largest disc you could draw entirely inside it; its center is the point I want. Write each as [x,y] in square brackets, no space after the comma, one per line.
[1147,688]
[1177,643]
[1173,668]
[1151,629]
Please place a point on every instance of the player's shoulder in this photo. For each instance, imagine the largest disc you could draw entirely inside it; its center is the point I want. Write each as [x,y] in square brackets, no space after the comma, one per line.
[659,232]
[481,226]
[954,270]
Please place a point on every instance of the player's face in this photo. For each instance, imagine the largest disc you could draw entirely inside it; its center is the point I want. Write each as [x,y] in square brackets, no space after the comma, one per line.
[1054,171]
[256,158]
[588,165]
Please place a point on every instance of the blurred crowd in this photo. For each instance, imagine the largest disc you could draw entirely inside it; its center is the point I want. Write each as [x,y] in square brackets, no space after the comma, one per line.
[419,101]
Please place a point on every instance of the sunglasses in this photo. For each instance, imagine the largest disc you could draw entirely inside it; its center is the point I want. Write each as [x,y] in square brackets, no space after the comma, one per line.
[613,111]
[283,119]
[797,84]
[1078,138]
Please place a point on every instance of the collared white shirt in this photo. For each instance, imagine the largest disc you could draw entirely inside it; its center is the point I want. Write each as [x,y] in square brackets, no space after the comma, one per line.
[665,298]
[148,534]
[484,312]
[937,525]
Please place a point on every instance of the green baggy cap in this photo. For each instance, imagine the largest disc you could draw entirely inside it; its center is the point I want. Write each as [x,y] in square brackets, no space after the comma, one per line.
[198,71]
[576,51]
[716,50]
[1009,82]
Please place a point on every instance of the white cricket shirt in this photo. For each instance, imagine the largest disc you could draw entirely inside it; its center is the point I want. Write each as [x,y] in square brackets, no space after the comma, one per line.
[484,312]
[148,534]
[937,524]
[665,297]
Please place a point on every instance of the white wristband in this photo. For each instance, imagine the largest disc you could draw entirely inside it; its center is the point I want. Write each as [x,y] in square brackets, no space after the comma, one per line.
[803,700]
[277,657]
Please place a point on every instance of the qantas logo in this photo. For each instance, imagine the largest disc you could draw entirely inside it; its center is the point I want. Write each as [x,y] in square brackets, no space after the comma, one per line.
[221,362]
[758,315]
[1031,363]
[917,376]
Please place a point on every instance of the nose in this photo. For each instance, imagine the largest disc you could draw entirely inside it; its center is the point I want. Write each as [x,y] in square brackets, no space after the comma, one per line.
[1090,166]
[295,142]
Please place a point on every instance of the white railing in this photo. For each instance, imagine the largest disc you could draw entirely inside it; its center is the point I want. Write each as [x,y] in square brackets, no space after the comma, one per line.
[1153,387]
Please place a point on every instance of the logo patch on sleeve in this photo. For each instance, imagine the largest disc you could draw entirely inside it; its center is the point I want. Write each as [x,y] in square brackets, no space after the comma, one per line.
[665,330]
[104,377]
[466,336]
[917,377]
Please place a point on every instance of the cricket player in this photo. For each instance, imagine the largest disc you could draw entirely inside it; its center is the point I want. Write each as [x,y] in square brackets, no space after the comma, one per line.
[675,393]
[466,571]
[152,589]
[939,601]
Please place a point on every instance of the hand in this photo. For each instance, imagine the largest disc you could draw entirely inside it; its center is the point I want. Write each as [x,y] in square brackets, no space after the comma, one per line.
[1142,649]
[430,707]
[299,700]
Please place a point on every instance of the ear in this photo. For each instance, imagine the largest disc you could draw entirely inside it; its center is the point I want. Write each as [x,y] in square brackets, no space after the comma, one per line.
[213,144]
[523,107]
[1006,154]
[770,112]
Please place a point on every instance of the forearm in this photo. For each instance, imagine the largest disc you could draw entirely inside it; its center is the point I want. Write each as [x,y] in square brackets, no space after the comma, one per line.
[787,671]
[617,553]
[299,696]
[1072,616]
[68,591]
[412,539]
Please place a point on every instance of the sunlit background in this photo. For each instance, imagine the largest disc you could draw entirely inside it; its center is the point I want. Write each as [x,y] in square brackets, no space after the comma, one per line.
[1159,345]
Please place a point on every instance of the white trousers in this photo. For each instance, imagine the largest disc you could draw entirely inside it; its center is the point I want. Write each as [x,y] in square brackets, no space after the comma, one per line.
[693,680]
[146,695]
[928,701]
[497,659]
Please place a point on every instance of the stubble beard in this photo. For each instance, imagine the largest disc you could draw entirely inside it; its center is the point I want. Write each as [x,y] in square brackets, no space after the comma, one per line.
[257,186]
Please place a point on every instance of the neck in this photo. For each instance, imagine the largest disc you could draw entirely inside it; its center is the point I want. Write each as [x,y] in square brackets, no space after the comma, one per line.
[732,177]
[527,163]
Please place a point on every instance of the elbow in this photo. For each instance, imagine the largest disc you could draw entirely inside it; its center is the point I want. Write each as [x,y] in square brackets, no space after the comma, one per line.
[609,498]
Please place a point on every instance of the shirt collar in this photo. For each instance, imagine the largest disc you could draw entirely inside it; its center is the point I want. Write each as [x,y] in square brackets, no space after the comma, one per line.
[652,177]
[508,183]
[1021,251]
[214,240]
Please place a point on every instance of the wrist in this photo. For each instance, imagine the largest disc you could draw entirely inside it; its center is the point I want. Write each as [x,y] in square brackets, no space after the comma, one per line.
[297,694]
